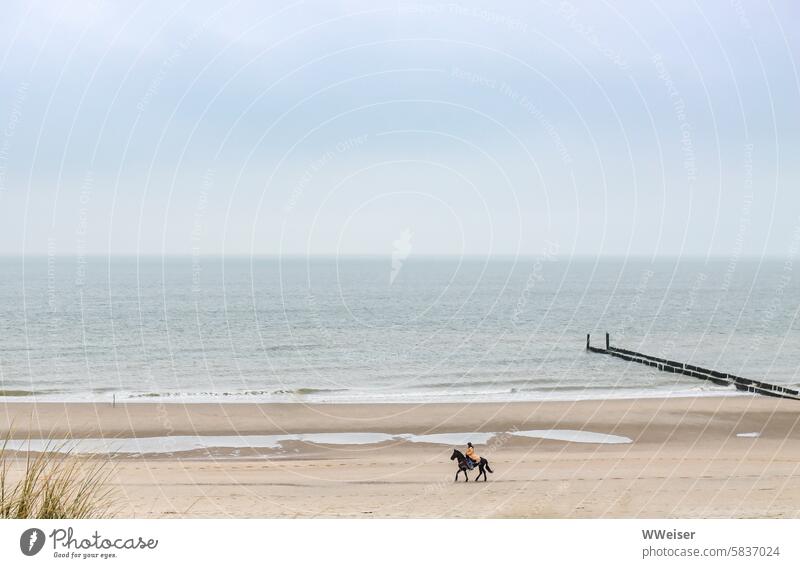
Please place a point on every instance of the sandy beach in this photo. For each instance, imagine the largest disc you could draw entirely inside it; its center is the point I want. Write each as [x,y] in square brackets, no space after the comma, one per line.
[686,458]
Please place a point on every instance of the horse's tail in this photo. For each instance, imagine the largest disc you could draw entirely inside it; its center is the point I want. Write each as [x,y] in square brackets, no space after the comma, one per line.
[488,468]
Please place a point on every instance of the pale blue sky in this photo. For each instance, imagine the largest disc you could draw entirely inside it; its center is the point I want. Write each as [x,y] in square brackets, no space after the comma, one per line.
[606,128]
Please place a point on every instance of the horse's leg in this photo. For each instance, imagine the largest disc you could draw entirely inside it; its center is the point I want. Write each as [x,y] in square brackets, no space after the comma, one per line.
[482,467]
[456,479]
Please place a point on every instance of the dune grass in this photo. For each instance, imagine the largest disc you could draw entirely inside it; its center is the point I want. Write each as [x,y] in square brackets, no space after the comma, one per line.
[53,485]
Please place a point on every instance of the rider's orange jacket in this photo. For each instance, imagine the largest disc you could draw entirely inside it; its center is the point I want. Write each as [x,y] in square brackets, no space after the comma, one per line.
[472,455]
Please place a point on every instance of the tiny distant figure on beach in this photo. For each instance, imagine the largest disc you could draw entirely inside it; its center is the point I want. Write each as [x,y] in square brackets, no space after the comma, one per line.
[469,461]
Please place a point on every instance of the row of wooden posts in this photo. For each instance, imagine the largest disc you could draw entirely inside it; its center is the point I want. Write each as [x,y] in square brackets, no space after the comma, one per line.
[716,377]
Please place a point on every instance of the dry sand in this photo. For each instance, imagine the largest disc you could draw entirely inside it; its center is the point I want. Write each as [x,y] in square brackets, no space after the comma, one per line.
[685,459]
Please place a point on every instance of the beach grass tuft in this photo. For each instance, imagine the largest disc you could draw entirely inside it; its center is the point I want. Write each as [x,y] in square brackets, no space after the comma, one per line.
[53,485]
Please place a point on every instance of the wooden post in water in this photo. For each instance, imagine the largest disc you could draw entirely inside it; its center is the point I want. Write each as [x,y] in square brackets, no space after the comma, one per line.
[587,341]
[608,341]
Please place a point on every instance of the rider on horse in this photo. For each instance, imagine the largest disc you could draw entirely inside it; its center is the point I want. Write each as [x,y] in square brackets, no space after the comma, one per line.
[467,462]
[472,458]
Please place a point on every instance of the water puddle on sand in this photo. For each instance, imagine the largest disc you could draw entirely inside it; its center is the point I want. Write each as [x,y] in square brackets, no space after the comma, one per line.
[343,438]
[174,444]
[451,438]
[579,436]
[748,435]
[171,444]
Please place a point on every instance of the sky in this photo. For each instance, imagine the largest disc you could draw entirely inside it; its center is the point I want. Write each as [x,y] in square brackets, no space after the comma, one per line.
[624,128]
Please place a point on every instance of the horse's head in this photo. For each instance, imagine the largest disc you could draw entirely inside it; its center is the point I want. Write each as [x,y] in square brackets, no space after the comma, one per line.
[456,455]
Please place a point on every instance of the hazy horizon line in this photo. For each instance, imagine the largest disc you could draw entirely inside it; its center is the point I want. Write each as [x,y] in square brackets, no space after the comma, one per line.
[388,256]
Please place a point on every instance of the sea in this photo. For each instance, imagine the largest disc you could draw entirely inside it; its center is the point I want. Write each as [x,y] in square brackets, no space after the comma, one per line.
[369,329]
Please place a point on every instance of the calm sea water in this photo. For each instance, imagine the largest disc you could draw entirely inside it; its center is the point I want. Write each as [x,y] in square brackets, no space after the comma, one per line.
[320,330]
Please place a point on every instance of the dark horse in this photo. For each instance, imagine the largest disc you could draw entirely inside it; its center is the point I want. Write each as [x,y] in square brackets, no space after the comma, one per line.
[483,466]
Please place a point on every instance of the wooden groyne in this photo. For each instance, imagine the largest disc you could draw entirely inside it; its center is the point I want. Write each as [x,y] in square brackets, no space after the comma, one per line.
[716,377]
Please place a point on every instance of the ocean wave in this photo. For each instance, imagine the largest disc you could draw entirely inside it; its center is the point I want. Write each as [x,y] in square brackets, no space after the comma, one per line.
[291,347]
[246,393]
[474,384]
[13,392]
